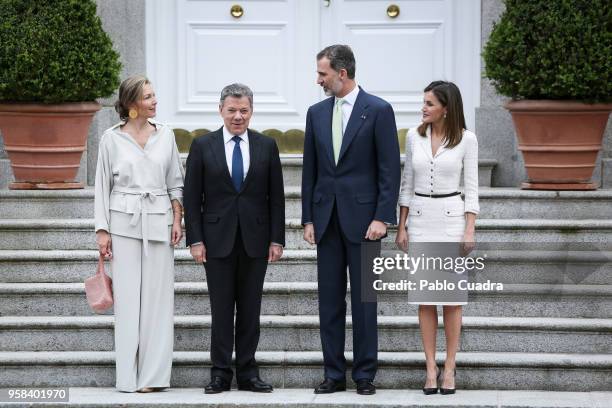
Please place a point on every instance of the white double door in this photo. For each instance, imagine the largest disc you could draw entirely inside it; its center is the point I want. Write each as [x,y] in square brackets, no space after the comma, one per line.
[196,47]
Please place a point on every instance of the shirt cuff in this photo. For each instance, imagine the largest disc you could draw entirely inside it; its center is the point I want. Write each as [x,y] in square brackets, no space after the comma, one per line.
[197,243]
[276,243]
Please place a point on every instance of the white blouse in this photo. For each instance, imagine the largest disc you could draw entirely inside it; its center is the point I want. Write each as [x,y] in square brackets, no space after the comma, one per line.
[134,185]
[441,174]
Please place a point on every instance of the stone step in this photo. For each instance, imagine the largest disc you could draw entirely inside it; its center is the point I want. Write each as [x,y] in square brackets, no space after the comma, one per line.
[300,298]
[303,369]
[301,333]
[44,234]
[507,266]
[304,398]
[495,203]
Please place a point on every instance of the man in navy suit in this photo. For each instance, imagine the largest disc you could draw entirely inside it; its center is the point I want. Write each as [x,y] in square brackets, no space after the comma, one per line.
[350,187]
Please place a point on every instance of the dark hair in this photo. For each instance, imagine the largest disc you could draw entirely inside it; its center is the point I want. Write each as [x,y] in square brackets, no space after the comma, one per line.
[237,91]
[454,123]
[340,57]
[130,91]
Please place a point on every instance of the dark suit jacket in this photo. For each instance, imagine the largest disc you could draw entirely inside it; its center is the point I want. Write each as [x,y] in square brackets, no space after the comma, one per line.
[213,207]
[365,183]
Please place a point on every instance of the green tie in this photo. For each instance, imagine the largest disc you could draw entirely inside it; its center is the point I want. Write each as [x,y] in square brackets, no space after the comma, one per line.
[337,128]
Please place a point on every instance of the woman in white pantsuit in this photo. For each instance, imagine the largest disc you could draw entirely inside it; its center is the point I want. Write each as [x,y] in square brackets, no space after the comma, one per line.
[431,207]
[138,204]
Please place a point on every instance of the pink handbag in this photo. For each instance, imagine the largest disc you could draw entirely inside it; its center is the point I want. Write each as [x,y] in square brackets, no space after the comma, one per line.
[99,289]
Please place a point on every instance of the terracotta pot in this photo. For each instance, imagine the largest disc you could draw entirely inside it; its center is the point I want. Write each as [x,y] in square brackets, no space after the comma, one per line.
[559,141]
[45,142]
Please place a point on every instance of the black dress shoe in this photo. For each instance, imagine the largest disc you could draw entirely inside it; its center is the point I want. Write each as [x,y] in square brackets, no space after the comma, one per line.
[217,385]
[254,384]
[366,387]
[329,386]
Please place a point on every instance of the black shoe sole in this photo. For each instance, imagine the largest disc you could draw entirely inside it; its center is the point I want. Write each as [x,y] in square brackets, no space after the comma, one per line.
[430,391]
[252,390]
[447,391]
[366,392]
[337,389]
[216,391]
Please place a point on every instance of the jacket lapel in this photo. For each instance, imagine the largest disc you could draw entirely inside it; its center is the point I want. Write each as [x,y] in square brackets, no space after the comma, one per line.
[254,155]
[218,147]
[358,116]
[425,143]
[326,124]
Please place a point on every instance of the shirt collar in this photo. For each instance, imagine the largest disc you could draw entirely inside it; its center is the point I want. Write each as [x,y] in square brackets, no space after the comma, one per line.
[350,97]
[227,136]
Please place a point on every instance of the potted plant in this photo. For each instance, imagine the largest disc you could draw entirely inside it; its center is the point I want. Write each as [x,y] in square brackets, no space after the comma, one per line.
[55,60]
[553,58]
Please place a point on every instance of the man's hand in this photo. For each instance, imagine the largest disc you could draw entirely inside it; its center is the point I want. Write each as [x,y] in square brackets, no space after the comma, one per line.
[309,234]
[198,252]
[103,239]
[376,230]
[177,233]
[275,252]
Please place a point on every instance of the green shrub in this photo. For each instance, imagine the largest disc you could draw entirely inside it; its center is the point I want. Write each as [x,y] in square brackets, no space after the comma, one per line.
[55,51]
[553,49]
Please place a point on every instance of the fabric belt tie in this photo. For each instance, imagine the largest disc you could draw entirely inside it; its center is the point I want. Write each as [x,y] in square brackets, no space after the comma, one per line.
[141,210]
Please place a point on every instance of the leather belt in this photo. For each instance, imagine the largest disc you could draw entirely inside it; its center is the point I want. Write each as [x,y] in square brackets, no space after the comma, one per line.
[438,195]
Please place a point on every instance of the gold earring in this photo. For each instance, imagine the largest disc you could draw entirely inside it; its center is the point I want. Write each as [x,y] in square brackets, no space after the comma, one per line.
[133,113]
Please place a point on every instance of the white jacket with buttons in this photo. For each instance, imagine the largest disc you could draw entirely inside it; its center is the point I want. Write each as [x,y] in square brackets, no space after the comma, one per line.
[426,174]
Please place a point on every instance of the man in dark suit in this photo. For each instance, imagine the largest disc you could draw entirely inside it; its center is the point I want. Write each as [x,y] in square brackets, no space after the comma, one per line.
[350,187]
[235,222]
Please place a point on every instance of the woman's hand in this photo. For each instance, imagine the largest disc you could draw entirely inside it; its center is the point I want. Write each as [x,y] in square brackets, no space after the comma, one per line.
[468,241]
[177,233]
[401,239]
[103,239]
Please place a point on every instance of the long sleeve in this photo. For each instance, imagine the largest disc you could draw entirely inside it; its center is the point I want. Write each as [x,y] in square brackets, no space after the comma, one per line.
[175,175]
[470,173]
[388,157]
[276,198]
[309,170]
[192,198]
[407,189]
[103,187]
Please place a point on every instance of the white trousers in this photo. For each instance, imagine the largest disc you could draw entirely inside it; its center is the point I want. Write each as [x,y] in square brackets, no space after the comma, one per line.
[143,290]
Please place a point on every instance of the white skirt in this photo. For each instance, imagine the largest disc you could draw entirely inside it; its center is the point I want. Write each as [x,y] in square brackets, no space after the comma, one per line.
[437,220]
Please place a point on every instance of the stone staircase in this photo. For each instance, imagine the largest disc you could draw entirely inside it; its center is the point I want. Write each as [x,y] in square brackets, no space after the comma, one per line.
[550,328]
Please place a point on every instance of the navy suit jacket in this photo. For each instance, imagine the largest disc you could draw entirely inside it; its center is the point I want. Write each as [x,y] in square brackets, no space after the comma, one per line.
[365,183]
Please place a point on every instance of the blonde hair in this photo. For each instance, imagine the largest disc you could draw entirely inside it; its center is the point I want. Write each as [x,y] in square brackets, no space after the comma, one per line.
[130,91]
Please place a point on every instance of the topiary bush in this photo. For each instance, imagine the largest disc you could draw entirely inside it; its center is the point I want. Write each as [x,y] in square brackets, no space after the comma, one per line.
[54,51]
[553,49]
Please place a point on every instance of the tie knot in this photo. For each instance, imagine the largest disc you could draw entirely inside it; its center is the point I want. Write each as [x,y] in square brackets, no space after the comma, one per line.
[339,101]
[236,139]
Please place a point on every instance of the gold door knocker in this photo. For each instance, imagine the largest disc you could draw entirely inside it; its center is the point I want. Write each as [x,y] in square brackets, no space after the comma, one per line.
[393,11]
[236,11]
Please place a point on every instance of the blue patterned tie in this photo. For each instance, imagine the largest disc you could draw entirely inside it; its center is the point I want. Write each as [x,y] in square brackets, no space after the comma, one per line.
[237,165]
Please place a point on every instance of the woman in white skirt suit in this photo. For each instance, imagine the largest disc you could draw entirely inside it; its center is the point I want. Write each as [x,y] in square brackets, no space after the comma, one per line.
[431,207]
[138,206]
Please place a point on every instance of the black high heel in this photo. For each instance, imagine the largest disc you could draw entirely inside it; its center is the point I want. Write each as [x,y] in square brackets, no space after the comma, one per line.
[449,391]
[430,391]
